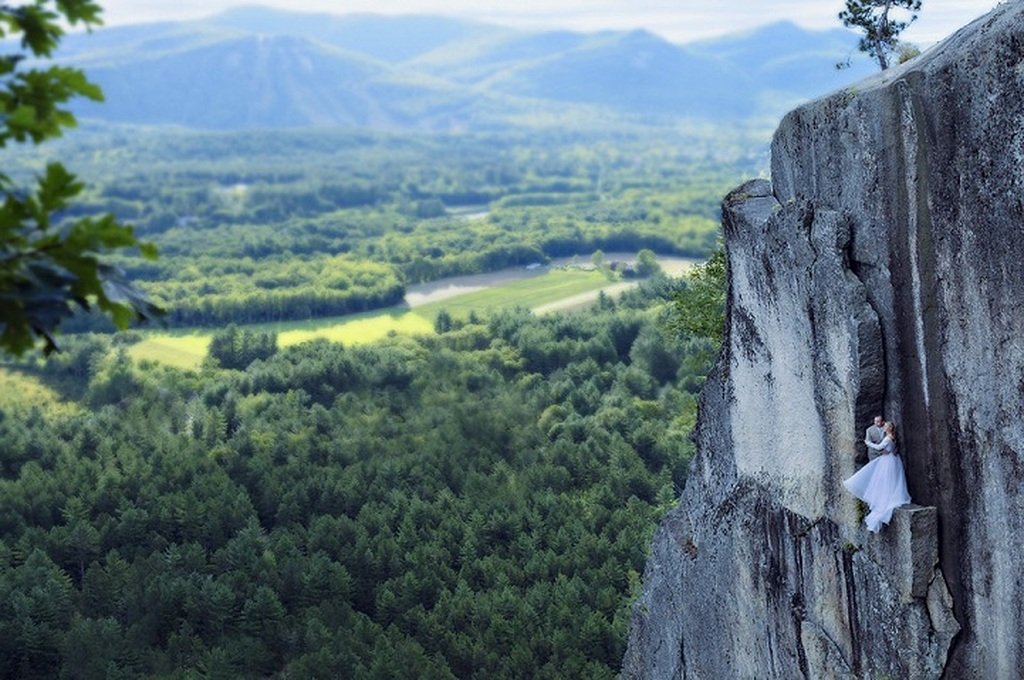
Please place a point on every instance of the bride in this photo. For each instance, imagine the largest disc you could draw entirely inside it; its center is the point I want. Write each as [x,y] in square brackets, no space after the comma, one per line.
[881,483]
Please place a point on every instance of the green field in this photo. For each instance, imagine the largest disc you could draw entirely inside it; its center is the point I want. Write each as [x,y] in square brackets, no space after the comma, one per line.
[187,348]
[182,351]
[552,286]
[20,391]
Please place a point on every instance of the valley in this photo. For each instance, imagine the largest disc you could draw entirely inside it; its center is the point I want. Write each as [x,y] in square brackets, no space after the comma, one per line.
[544,290]
[371,371]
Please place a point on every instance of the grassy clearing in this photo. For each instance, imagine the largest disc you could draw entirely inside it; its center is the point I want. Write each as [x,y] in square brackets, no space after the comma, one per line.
[367,329]
[181,351]
[532,292]
[19,392]
[187,348]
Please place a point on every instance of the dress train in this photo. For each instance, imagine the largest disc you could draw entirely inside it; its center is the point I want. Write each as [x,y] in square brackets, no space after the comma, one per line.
[881,484]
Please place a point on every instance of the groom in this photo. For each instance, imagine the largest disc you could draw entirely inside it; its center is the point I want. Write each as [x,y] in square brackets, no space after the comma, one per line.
[875,434]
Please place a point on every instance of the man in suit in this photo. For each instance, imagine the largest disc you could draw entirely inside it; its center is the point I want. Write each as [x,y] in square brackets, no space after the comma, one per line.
[875,434]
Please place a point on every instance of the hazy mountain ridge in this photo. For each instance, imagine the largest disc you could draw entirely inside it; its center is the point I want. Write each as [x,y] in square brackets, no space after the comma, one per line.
[635,71]
[255,81]
[389,39]
[262,68]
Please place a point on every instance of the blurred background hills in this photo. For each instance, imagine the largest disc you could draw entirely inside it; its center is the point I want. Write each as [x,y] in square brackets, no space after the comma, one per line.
[260,68]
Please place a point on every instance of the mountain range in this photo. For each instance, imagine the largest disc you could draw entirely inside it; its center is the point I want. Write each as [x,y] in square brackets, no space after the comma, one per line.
[256,67]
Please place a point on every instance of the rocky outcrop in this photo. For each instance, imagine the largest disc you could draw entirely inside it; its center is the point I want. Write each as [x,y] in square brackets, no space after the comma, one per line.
[882,270]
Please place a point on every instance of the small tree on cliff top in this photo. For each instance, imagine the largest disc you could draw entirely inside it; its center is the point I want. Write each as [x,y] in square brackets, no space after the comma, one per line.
[700,306]
[881,22]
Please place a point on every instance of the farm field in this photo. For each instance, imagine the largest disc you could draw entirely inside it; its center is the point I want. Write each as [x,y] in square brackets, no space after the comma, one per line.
[186,348]
[545,292]
[533,292]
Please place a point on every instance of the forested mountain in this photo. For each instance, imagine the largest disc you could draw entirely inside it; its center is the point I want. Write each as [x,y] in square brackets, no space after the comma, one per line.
[635,71]
[786,60]
[252,81]
[392,39]
[262,68]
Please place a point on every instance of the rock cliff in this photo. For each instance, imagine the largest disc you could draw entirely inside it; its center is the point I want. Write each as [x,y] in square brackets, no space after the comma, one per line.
[881,270]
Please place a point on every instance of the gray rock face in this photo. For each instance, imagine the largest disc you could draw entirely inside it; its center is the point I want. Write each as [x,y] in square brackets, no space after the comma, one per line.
[882,270]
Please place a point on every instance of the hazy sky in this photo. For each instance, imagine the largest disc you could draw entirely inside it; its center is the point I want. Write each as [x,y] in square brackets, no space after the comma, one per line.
[679,20]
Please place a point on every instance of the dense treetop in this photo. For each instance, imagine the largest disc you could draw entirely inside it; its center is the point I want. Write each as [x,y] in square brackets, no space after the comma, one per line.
[470,504]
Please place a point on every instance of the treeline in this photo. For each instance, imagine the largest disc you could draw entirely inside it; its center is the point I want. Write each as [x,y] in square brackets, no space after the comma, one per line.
[160,180]
[386,198]
[425,250]
[208,291]
[474,504]
[262,285]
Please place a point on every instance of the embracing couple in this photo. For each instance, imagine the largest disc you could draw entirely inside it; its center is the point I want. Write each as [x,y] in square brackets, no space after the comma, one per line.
[881,483]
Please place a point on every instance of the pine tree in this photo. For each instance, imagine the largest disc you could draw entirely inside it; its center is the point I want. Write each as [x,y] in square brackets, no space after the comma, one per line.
[881,30]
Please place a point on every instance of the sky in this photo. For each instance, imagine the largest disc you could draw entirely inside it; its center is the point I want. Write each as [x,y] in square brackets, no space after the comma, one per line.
[677,20]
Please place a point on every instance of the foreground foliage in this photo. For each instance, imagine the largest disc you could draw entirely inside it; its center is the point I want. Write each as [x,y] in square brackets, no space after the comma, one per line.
[47,267]
[475,504]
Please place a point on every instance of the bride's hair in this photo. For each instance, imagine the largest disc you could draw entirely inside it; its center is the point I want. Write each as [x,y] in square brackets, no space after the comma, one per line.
[890,430]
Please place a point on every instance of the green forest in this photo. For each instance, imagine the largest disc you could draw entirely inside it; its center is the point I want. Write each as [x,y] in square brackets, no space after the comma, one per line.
[470,496]
[256,227]
[476,503]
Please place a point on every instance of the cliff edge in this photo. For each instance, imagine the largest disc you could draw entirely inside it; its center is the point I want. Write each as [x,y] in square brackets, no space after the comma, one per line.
[881,271]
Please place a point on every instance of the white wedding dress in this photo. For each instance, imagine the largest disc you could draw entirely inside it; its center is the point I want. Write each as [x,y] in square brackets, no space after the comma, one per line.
[881,484]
